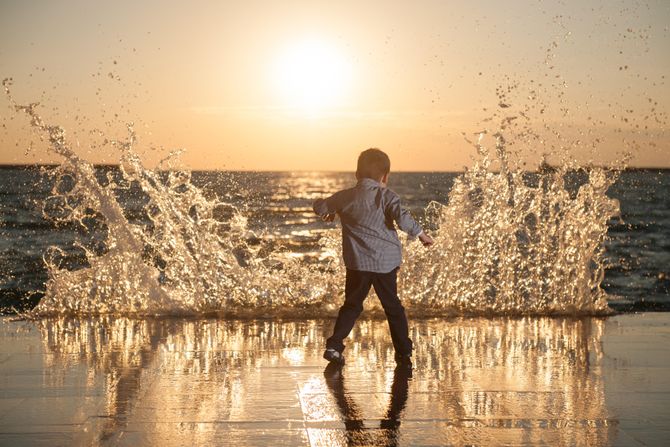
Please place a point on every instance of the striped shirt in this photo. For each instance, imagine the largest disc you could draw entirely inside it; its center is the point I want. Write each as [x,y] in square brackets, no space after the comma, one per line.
[368,212]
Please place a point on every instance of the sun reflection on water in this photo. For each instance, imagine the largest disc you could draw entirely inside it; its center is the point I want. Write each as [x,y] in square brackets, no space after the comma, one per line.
[168,381]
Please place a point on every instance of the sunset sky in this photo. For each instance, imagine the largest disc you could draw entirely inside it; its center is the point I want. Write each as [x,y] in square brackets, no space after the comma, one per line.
[307,85]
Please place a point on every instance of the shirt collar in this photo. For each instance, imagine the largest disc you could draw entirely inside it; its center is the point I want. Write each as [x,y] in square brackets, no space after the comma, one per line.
[366,181]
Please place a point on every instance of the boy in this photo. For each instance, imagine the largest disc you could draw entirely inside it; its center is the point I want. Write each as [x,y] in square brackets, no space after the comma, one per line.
[371,251]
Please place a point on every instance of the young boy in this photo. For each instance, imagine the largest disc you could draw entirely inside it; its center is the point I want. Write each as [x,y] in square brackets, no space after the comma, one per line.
[371,251]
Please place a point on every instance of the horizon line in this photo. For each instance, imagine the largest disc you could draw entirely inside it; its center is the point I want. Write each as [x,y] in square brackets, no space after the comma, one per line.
[116,165]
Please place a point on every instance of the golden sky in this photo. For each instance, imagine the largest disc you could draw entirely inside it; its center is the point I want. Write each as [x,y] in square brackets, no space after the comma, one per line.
[307,85]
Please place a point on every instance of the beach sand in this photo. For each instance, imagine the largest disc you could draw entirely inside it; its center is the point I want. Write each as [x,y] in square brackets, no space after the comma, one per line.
[496,381]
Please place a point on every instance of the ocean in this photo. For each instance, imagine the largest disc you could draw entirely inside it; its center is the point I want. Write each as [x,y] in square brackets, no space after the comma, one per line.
[51,234]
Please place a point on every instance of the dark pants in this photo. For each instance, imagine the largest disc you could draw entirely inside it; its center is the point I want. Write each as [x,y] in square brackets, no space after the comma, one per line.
[356,290]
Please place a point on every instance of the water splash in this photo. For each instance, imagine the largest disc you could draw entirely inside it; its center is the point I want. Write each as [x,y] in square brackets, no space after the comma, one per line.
[505,244]
[510,242]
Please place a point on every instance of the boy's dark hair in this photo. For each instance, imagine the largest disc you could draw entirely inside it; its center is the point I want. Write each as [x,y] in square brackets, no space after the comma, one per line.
[373,163]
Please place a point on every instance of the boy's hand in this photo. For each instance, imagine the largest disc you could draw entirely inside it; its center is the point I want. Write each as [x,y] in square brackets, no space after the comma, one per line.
[328,217]
[426,240]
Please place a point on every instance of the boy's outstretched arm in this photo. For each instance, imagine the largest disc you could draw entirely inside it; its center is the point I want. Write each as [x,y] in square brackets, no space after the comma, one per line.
[326,208]
[406,222]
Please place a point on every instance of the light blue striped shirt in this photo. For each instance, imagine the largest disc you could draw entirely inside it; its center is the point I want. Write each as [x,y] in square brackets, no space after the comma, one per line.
[368,212]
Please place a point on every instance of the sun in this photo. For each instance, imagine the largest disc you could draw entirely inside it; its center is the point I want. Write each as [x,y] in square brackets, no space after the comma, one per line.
[312,76]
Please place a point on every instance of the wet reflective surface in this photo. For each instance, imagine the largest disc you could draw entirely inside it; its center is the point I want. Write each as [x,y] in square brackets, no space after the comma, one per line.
[501,381]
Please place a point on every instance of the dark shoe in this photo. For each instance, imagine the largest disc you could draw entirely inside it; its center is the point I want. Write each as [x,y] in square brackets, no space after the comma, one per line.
[333,356]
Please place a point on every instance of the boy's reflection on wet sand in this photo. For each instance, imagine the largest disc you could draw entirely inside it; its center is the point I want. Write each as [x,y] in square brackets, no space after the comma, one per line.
[353,417]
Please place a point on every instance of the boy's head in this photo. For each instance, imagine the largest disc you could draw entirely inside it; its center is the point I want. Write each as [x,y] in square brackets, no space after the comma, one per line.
[374,164]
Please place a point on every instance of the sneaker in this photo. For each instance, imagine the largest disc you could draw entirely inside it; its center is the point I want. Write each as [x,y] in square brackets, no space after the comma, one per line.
[333,356]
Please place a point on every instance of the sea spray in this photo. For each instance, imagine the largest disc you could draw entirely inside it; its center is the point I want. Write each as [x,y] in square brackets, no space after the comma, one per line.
[505,244]
[510,242]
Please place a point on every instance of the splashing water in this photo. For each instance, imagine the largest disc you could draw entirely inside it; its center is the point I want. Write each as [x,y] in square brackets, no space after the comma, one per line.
[505,244]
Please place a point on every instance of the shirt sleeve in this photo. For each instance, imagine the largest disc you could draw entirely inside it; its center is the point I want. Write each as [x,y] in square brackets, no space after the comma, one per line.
[401,216]
[323,207]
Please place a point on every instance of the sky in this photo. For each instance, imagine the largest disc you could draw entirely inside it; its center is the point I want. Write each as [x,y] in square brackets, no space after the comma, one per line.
[307,85]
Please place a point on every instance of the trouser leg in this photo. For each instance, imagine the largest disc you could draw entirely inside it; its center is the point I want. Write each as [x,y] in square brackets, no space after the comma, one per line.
[386,287]
[356,290]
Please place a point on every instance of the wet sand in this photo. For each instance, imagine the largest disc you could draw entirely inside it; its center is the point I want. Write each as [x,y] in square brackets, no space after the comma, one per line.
[528,381]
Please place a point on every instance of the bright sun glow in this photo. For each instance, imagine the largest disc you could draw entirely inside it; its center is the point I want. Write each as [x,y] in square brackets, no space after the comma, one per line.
[312,76]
